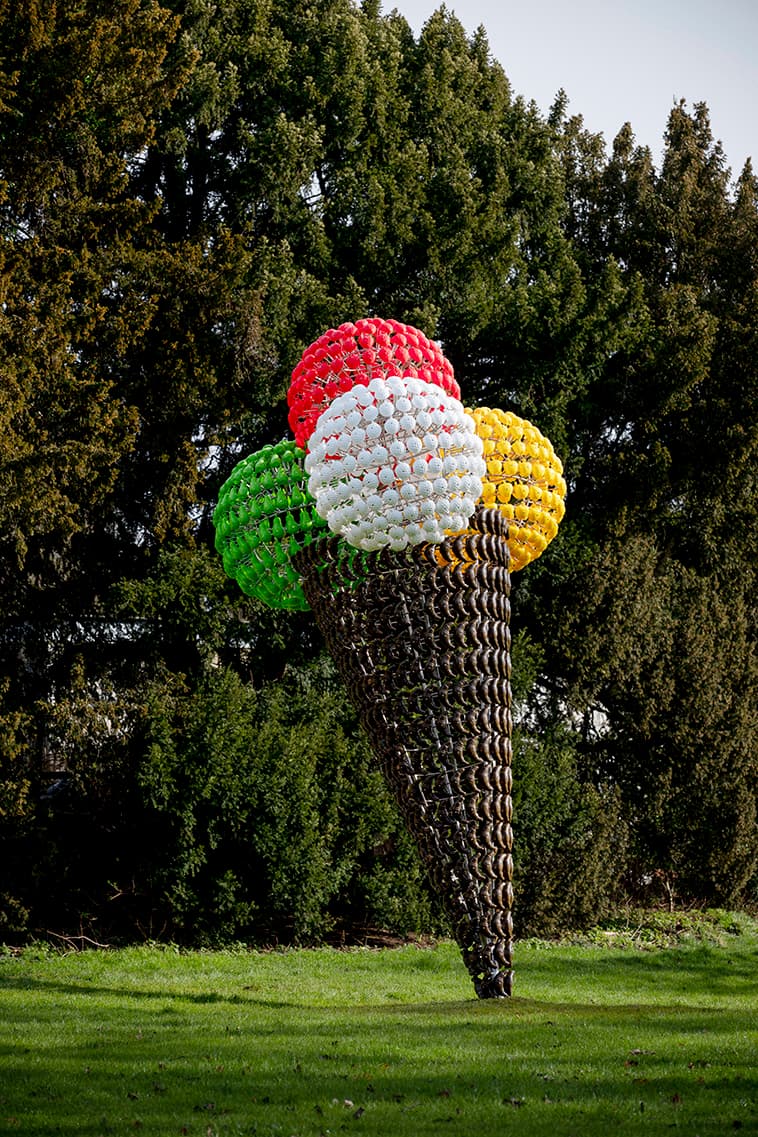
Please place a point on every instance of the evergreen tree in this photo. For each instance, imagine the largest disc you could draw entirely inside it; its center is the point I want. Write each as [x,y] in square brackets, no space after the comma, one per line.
[189,194]
[664,646]
[81,86]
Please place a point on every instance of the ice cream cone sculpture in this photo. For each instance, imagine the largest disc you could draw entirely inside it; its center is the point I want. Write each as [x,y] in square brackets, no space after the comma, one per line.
[396,515]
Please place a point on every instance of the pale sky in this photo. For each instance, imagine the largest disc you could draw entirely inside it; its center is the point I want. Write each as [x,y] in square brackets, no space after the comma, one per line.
[625,61]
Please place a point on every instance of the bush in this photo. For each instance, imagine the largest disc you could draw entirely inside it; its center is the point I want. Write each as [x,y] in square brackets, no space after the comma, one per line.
[208,812]
[570,838]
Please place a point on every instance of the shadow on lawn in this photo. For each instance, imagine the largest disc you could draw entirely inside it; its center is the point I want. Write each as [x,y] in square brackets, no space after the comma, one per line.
[165,996]
[694,978]
[467,1013]
[421,1068]
[237,1059]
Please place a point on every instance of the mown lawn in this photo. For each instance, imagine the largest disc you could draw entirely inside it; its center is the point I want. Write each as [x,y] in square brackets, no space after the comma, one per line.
[597,1040]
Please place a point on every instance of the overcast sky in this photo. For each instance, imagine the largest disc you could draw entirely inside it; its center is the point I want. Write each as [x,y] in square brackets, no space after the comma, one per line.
[625,60]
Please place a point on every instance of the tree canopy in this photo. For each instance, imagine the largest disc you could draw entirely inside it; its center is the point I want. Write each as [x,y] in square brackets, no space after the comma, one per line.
[191,193]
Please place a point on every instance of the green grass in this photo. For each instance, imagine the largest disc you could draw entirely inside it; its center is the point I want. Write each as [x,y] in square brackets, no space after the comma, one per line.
[596,1041]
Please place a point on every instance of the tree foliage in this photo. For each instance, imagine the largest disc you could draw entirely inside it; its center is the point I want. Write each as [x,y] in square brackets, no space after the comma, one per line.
[191,193]
[664,645]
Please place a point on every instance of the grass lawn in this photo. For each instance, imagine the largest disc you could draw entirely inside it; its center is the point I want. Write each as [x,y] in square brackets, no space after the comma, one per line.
[597,1040]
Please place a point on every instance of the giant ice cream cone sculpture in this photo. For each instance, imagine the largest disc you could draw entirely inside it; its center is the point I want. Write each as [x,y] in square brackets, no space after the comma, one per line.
[401,544]
[422,643]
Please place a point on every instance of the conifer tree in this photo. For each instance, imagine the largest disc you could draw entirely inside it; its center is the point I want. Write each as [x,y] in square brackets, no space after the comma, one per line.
[190,193]
[668,488]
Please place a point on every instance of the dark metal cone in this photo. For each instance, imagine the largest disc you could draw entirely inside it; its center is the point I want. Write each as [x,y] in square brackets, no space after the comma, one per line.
[424,650]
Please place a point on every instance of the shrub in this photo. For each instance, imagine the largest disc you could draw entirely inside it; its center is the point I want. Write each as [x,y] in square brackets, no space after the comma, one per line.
[570,838]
